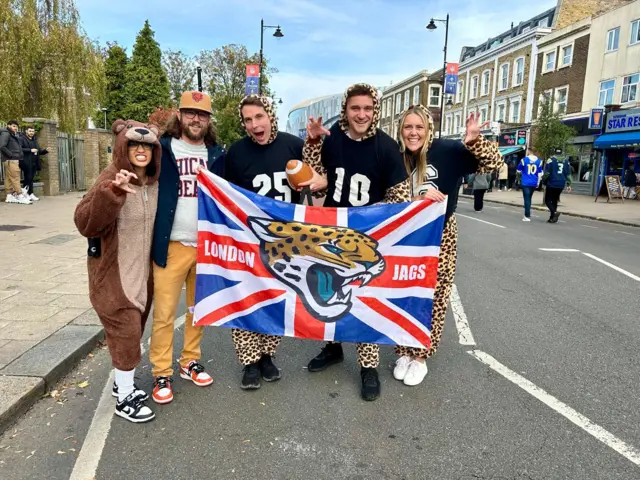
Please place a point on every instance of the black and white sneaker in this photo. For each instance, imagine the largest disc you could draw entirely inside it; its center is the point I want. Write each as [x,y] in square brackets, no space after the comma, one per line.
[141,393]
[133,409]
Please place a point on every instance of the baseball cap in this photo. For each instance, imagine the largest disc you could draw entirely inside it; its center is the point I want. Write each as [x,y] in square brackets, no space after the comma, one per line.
[194,100]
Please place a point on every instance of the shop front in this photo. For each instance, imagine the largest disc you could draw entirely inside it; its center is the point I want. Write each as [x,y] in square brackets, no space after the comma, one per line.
[512,144]
[582,156]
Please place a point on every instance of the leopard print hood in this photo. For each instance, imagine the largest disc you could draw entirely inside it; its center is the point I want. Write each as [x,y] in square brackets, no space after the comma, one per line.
[344,122]
[430,135]
[270,112]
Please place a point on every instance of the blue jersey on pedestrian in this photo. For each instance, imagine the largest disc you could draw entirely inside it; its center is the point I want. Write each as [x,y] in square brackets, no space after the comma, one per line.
[531,169]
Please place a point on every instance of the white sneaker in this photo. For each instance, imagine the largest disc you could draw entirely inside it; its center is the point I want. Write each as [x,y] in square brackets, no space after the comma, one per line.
[11,198]
[402,365]
[25,191]
[33,198]
[526,219]
[415,375]
[24,200]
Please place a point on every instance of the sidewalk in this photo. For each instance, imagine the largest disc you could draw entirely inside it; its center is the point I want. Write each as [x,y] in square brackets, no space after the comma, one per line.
[627,213]
[46,321]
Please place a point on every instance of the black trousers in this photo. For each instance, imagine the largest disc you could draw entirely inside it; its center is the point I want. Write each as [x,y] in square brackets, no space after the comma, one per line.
[28,172]
[478,199]
[551,198]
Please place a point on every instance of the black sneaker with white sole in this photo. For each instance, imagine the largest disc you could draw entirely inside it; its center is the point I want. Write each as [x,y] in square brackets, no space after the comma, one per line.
[251,377]
[270,373]
[143,395]
[134,409]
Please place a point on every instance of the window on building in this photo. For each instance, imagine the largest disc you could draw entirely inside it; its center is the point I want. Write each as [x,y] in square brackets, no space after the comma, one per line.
[459,96]
[525,29]
[544,97]
[635,32]
[550,61]
[567,55]
[406,99]
[630,88]
[384,109]
[562,94]
[486,79]
[518,72]
[474,86]
[457,123]
[606,92]
[543,22]
[416,95]
[398,103]
[447,124]
[434,96]
[501,113]
[504,76]
[483,114]
[613,38]
[515,111]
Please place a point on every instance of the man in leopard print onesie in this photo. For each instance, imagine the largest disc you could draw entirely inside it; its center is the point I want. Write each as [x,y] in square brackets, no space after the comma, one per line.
[436,166]
[363,167]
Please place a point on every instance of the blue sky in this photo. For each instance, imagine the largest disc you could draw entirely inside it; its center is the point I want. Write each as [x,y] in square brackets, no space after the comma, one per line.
[327,45]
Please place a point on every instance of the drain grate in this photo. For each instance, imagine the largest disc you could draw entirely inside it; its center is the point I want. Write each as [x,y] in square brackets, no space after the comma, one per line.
[13,228]
[57,239]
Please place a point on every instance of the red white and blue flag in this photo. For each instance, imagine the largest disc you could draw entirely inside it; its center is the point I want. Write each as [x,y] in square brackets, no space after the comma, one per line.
[363,274]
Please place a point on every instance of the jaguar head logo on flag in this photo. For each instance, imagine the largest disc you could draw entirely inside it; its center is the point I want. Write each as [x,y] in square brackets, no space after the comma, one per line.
[322,264]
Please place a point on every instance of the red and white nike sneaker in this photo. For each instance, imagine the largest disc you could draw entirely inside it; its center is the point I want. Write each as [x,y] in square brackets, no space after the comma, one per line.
[162,391]
[195,372]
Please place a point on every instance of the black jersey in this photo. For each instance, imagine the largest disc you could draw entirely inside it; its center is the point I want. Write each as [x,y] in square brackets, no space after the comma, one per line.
[262,168]
[360,172]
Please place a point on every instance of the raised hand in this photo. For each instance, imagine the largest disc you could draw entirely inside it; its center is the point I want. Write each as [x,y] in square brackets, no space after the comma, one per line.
[315,128]
[473,127]
[122,181]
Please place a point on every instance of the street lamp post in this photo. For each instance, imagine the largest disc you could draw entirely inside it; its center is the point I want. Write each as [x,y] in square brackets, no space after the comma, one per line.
[104,109]
[431,27]
[278,34]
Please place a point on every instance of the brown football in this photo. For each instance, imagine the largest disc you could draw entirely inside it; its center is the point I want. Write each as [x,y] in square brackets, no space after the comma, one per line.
[297,172]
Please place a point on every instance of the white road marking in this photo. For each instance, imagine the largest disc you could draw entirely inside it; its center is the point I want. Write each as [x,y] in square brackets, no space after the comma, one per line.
[587,226]
[626,233]
[478,220]
[559,250]
[599,433]
[93,445]
[462,324]
[463,202]
[611,265]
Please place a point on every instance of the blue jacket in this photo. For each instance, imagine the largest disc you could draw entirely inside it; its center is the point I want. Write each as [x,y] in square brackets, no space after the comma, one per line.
[168,185]
[558,173]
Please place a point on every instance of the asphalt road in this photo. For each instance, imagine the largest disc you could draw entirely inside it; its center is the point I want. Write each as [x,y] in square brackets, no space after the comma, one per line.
[562,320]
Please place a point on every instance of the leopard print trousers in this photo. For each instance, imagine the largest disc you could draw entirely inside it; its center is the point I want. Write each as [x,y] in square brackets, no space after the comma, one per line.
[250,346]
[446,275]
[368,354]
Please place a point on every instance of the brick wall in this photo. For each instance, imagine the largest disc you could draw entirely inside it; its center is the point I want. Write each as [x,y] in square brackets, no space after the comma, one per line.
[47,138]
[97,143]
[571,11]
[522,88]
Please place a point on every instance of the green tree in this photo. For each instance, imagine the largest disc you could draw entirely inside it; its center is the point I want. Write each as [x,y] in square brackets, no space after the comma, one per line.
[180,72]
[146,86]
[115,68]
[550,133]
[224,75]
[48,65]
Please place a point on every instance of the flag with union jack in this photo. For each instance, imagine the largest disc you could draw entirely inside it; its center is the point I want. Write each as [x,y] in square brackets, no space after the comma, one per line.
[363,274]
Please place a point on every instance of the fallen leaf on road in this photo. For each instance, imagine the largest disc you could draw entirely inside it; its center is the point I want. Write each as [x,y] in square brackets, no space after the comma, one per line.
[246,441]
[84,384]
[91,355]
[263,404]
[20,451]
[60,452]
[55,394]
[70,436]
[53,415]
[72,449]
[48,424]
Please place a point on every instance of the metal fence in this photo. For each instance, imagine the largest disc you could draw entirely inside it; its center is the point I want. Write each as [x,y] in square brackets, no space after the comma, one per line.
[71,162]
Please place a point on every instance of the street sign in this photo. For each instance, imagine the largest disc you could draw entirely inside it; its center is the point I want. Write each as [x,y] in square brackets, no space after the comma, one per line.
[250,90]
[596,119]
[251,82]
[623,120]
[253,71]
[450,84]
[453,68]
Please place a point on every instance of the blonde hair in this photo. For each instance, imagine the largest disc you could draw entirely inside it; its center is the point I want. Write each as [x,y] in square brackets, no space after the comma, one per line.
[421,161]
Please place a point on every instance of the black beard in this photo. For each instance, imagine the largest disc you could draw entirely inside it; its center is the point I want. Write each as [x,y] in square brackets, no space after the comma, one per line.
[193,137]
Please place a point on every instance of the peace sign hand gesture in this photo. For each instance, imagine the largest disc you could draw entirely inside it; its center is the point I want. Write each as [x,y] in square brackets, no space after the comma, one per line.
[315,128]
[122,181]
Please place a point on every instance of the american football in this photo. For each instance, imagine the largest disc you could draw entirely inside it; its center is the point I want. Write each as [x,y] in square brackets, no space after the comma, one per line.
[298,172]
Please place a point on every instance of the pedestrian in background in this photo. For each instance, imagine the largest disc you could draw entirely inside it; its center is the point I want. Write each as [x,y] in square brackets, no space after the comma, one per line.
[11,157]
[630,183]
[480,183]
[31,163]
[530,169]
[503,176]
[557,175]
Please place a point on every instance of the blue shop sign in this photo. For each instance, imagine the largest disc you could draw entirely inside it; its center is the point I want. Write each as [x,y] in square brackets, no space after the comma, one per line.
[623,121]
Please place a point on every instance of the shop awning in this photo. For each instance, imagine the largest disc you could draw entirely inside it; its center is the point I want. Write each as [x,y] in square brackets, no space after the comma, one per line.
[509,150]
[618,140]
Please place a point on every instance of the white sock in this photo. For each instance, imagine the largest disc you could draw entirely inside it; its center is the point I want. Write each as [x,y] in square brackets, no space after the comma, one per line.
[124,381]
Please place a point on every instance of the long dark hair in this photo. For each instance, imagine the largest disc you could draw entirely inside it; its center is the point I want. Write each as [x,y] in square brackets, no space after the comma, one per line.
[174,129]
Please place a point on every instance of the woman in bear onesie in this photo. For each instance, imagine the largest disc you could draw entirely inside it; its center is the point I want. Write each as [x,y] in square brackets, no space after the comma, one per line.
[118,215]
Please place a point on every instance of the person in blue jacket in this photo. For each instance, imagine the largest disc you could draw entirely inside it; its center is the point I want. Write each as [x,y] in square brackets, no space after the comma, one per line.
[530,168]
[557,175]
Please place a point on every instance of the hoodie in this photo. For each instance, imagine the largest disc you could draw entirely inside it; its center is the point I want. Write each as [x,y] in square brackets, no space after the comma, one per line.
[359,172]
[123,222]
[261,168]
[10,145]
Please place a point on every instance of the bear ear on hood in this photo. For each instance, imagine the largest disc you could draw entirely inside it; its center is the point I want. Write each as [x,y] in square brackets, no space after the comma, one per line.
[118,126]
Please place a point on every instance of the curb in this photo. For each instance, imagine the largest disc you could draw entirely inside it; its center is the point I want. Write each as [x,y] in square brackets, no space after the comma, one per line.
[36,371]
[570,214]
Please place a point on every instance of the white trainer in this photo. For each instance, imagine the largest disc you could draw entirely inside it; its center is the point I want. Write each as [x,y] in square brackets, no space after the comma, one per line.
[416,373]
[402,365]
[11,198]
[526,219]
[24,200]
[33,198]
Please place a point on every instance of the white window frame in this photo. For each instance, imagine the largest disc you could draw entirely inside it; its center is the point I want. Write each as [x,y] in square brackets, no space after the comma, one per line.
[460,91]
[475,81]
[556,103]
[484,92]
[416,95]
[384,108]
[501,103]
[503,76]
[545,67]
[629,88]
[439,90]
[636,40]
[615,41]
[514,80]
[484,113]
[448,124]
[457,122]
[563,64]
[407,99]
[398,103]
[511,118]
[600,91]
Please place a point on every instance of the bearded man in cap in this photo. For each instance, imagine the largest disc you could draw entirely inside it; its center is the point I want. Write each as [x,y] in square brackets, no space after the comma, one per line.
[188,144]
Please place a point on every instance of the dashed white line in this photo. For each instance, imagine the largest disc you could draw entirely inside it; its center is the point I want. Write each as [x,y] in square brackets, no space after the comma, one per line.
[611,265]
[559,250]
[599,433]
[587,226]
[626,233]
[462,324]
[93,445]
[478,220]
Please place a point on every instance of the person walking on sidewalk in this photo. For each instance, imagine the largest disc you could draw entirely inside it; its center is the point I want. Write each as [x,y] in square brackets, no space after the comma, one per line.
[530,169]
[630,183]
[503,177]
[189,143]
[480,183]
[31,163]
[448,161]
[11,151]
[557,175]
[117,215]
